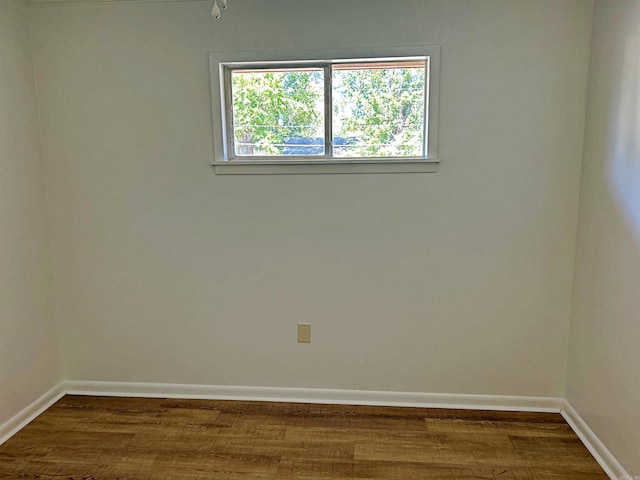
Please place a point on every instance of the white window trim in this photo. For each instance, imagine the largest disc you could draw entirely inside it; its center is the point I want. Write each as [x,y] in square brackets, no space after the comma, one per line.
[223,166]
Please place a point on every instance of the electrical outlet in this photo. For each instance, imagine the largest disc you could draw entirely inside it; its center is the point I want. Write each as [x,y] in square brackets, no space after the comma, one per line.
[304,333]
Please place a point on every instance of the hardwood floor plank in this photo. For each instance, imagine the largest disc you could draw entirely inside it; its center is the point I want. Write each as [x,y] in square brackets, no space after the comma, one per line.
[532,429]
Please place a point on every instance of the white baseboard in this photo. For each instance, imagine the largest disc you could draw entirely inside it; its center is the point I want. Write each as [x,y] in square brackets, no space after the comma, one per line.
[600,452]
[317,395]
[20,420]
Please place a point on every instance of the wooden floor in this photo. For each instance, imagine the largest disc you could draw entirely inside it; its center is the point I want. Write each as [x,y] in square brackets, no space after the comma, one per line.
[94,438]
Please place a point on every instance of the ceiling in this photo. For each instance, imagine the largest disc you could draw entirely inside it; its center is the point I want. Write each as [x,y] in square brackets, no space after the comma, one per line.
[42,3]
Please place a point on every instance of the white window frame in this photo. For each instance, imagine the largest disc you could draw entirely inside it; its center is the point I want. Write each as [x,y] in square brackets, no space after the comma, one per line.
[223,162]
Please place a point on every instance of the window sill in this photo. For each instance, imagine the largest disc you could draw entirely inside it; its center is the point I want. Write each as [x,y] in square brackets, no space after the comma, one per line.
[304,167]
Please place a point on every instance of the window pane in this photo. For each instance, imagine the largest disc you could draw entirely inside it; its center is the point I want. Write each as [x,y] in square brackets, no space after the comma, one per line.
[278,112]
[379,109]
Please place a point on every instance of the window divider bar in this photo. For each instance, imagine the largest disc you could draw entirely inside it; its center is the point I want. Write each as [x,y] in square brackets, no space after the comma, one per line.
[328,111]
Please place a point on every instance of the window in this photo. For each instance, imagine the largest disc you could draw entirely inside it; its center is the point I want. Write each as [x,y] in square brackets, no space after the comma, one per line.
[348,114]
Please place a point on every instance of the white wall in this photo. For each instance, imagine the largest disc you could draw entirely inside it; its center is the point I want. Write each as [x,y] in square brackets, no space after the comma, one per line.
[28,348]
[603,381]
[458,281]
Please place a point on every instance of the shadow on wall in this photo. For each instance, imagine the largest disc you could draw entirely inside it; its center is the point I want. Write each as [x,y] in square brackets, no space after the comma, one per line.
[624,171]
